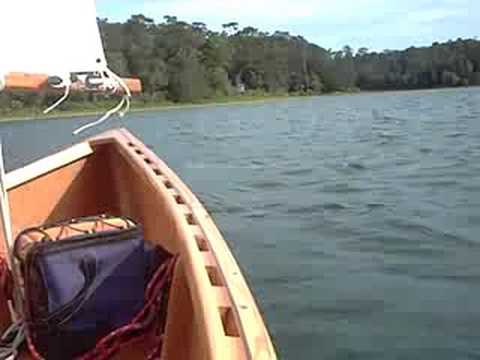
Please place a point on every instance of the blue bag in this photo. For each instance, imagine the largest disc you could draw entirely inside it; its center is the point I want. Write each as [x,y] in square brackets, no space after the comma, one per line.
[83,279]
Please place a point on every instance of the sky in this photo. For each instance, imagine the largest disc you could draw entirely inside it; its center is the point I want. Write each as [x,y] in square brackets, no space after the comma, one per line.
[374,24]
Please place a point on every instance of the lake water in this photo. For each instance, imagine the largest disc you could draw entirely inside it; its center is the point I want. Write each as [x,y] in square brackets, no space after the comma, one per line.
[355,218]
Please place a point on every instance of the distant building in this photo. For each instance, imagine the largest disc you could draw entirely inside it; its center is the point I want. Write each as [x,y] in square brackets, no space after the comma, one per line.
[240,88]
[239,85]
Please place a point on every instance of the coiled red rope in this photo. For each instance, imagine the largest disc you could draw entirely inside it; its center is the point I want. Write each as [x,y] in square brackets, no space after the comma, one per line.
[151,317]
[152,314]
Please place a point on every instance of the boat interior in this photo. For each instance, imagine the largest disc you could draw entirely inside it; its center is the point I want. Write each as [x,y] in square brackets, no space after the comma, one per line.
[211,313]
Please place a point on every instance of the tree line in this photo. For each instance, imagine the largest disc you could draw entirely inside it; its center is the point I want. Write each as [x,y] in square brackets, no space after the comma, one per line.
[185,62]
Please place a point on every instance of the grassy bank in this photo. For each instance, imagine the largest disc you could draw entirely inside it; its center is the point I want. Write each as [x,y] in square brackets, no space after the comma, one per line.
[76,109]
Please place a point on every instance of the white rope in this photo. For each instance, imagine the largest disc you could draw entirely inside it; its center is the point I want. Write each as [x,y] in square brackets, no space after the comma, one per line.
[110,84]
[11,341]
[122,108]
[127,94]
[120,82]
[104,117]
[66,84]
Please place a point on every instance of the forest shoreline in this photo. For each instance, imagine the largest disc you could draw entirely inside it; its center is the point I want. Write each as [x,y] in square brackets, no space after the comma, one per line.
[95,109]
[180,63]
[137,107]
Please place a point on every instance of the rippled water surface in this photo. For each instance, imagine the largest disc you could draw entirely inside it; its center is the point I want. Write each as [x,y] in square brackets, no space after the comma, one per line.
[355,218]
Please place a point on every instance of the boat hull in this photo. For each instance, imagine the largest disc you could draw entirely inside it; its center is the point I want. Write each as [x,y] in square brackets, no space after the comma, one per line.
[212,313]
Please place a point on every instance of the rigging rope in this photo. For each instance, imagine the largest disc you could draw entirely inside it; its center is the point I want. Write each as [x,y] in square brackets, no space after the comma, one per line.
[104,117]
[11,340]
[123,106]
[66,83]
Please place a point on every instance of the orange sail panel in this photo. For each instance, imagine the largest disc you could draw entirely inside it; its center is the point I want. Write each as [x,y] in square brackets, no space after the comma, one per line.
[24,81]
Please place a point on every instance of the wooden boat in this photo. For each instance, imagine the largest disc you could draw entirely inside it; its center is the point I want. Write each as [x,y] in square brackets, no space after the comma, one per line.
[212,313]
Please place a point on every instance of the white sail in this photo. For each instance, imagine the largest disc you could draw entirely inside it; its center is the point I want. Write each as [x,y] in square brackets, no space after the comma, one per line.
[51,37]
[58,38]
